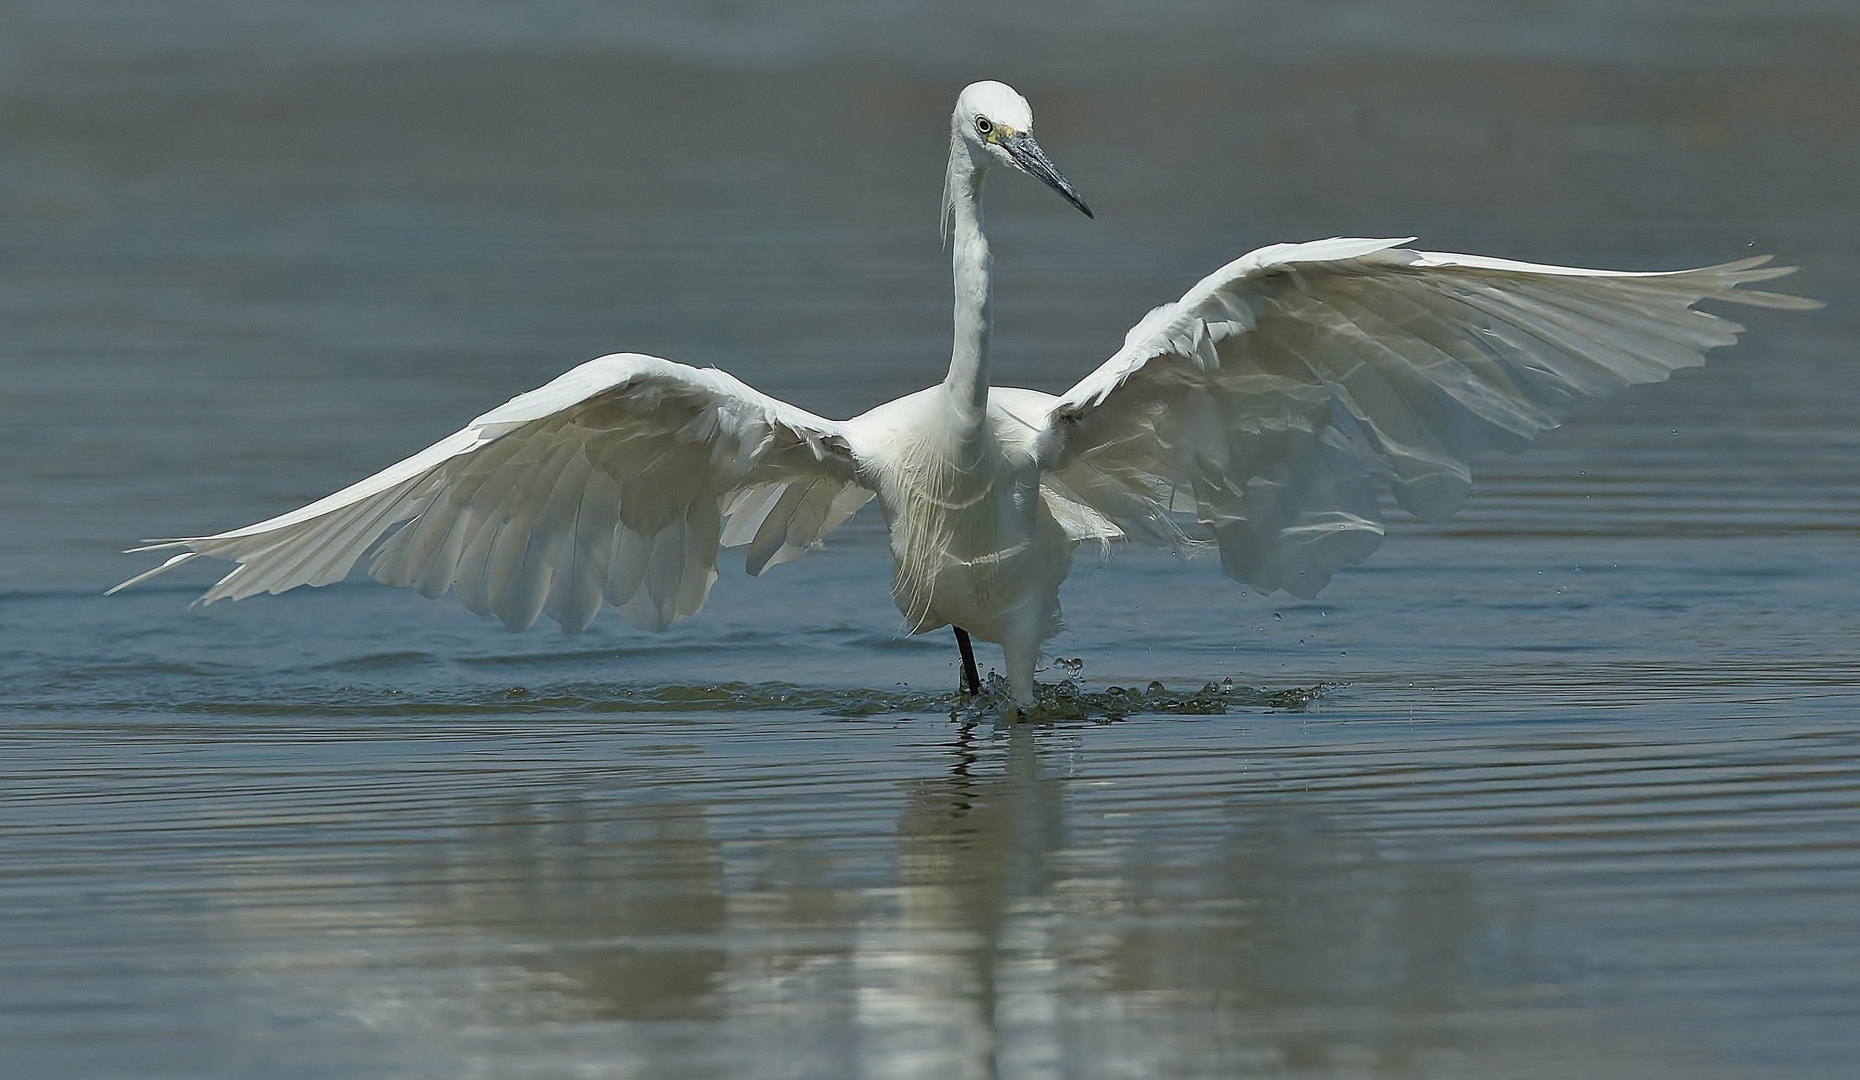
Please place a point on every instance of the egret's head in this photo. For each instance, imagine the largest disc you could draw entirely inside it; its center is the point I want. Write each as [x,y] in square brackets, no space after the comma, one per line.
[997,126]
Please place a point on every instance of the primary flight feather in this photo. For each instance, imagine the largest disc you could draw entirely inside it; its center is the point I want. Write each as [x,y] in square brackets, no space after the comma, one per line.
[1261,411]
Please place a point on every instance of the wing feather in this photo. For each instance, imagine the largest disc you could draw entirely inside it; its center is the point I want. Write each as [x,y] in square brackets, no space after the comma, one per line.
[529,546]
[610,483]
[632,552]
[1273,398]
[427,551]
[575,598]
[773,533]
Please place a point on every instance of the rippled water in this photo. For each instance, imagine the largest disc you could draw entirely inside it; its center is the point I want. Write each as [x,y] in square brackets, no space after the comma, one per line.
[1568,786]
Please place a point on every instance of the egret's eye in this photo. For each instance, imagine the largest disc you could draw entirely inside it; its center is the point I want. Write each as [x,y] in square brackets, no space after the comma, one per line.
[983,125]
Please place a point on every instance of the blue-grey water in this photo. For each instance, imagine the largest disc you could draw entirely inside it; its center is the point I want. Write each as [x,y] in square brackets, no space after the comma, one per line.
[1566,787]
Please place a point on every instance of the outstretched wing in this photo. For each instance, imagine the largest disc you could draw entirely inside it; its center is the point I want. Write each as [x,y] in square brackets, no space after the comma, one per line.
[617,481]
[1271,399]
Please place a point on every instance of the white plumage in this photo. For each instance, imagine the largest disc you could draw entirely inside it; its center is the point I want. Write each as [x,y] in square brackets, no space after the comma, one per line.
[1261,412]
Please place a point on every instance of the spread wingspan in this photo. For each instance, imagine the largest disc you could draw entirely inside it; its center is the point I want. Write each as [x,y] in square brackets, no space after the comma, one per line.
[1272,399]
[618,481]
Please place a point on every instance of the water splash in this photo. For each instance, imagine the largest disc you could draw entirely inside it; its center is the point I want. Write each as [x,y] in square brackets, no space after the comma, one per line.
[1061,701]
[1070,701]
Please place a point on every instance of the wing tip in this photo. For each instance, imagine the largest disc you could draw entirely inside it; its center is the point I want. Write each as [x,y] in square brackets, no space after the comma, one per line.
[1753,269]
[152,544]
[1781,301]
[185,556]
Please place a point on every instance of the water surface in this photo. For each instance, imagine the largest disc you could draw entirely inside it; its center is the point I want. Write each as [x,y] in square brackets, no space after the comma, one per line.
[1567,786]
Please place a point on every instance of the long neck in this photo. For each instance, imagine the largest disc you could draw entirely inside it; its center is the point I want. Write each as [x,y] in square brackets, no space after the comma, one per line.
[968,361]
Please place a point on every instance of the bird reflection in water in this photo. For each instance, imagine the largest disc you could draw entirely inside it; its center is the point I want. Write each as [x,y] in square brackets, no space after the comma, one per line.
[1030,939]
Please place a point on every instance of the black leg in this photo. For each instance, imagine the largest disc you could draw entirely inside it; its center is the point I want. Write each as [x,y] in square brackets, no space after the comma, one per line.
[971,680]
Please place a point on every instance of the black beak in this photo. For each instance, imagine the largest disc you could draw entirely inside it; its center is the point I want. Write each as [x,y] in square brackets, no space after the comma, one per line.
[1024,150]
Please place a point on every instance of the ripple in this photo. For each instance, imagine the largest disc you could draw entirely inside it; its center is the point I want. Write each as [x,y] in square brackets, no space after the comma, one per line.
[1056,702]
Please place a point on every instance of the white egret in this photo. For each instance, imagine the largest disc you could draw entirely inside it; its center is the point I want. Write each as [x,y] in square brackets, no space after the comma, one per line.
[1259,412]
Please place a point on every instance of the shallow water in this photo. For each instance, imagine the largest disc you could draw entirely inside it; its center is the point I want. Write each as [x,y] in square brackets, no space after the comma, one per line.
[1568,786]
